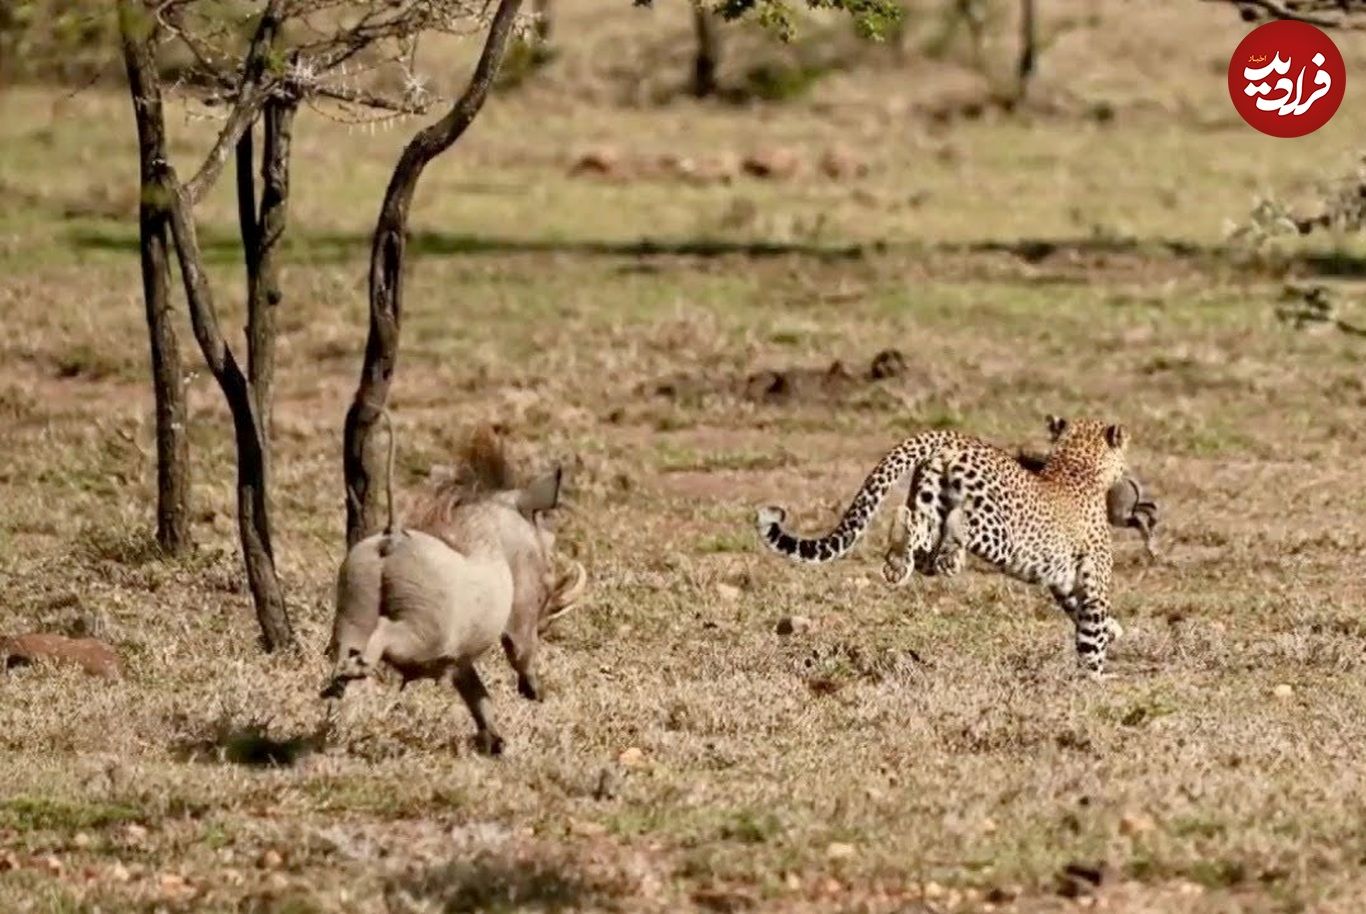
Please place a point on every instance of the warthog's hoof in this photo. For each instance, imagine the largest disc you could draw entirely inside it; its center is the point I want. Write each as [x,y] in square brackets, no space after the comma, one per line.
[488,743]
[334,689]
[528,688]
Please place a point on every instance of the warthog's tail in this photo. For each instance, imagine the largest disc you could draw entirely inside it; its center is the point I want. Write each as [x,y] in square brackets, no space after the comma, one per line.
[564,596]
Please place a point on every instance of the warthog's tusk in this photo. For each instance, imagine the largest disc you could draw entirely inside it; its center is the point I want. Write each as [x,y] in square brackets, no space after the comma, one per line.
[567,591]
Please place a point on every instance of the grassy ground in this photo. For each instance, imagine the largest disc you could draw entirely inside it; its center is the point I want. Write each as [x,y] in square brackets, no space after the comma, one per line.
[921,750]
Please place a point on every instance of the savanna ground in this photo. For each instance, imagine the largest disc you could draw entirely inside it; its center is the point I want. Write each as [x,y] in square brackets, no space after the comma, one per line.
[927,749]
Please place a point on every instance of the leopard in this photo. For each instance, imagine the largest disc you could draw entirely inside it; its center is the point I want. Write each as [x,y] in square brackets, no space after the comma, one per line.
[967,496]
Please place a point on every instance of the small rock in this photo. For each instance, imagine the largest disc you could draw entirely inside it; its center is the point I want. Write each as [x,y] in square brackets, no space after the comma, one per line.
[583,828]
[1002,894]
[1283,690]
[840,162]
[81,840]
[793,882]
[1078,879]
[1136,823]
[52,864]
[839,850]
[271,859]
[601,160]
[607,786]
[632,757]
[134,832]
[728,592]
[173,884]
[119,873]
[725,901]
[771,162]
[793,625]
[932,890]
[90,654]
[988,826]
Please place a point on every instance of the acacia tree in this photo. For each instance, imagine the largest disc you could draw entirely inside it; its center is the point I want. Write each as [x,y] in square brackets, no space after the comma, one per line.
[303,51]
[298,51]
[360,461]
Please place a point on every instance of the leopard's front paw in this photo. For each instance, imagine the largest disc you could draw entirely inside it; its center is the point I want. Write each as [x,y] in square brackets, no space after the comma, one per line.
[895,570]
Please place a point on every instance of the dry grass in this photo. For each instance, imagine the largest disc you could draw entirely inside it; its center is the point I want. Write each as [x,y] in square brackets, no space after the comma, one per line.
[925,750]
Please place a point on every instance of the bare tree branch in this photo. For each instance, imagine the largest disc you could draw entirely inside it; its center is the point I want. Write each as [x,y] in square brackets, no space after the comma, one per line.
[1307,11]
[386,276]
[253,516]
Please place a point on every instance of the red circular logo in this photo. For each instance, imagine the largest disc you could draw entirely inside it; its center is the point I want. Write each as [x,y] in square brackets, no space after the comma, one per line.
[1287,78]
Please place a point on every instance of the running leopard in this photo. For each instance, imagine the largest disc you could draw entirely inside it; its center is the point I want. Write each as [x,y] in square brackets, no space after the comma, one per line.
[1048,527]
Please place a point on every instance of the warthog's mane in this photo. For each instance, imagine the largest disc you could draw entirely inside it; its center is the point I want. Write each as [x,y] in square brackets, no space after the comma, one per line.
[482,469]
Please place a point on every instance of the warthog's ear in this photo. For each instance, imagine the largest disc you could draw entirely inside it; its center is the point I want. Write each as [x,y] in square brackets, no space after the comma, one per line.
[542,495]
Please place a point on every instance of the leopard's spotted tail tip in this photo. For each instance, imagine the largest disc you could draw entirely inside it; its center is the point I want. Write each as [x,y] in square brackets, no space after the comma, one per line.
[769,520]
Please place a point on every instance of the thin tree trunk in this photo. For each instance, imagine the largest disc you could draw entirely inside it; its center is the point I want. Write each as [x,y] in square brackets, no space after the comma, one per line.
[253,510]
[253,516]
[363,508]
[1028,47]
[168,377]
[262,228]
[707,61]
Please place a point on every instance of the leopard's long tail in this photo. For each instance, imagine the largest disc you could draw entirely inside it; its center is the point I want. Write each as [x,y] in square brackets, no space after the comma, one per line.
[893,466]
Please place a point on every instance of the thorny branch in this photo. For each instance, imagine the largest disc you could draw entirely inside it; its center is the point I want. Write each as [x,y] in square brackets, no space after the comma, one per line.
[1328,14]
[307,50]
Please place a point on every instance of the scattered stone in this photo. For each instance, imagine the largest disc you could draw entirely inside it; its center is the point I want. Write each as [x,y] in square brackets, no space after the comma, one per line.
[841,162]
[771,162]
[793,625]
[728,592]
[1283,690]
[889,363]
[173,884]
[1077,879]
[271,859]
[726,901]
[1136,823]
[119,873]
[90,654]
[632,757]
[600,160]
[1002,894]
[583,828]
[607,786]
[81,840]
[839,850]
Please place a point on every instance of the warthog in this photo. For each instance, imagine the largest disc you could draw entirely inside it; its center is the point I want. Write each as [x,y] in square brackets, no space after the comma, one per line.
[474,565]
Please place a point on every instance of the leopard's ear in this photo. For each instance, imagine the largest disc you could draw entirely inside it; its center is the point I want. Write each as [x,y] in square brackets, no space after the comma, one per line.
[1116,436]
[1056,426]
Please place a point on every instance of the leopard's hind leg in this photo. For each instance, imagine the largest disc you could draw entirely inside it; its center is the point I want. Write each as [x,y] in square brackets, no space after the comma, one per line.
[916,527]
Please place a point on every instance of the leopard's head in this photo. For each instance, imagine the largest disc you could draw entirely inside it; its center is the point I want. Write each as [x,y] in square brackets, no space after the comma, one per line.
[1093,445]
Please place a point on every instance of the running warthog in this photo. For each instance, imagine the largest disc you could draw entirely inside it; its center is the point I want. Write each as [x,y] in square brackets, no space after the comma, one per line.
[474,566]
